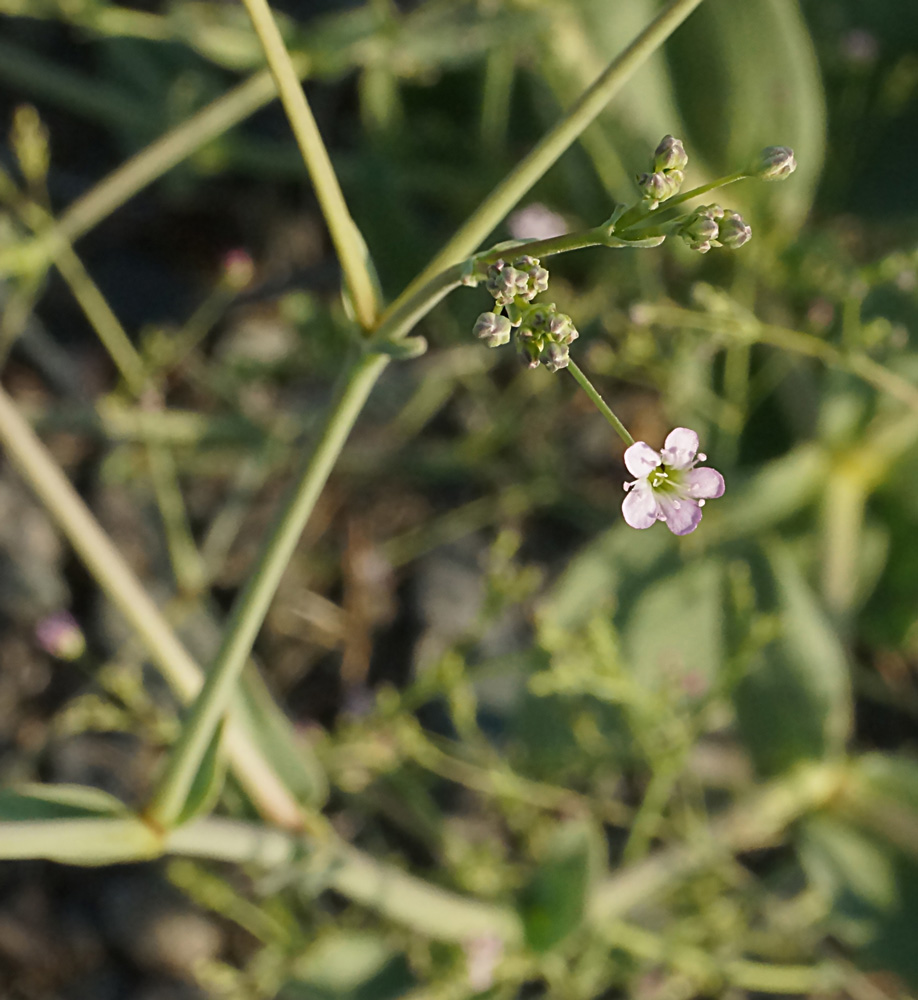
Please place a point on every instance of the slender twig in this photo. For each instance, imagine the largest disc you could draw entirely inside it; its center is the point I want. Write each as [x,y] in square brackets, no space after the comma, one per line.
[349,244]
[600,403]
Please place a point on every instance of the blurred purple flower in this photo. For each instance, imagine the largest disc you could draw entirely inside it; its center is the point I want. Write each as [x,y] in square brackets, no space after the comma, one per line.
[668,487]
[482,955]
[60,636]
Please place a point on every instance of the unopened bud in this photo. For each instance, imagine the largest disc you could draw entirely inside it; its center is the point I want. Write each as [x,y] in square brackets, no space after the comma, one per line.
[506,283]
[536,276]
[774,164]
[733,231]
[670,154]
[494,330]
[700,229]
[659,186]
[561,329]
[555,357]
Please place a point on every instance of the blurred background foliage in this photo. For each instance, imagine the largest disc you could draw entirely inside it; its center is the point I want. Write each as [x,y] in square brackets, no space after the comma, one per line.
[513,693]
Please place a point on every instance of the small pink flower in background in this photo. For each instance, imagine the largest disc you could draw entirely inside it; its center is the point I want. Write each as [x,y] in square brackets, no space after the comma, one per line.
[482,955]
[668,487]
[238,269]
[536,222]
[60,636]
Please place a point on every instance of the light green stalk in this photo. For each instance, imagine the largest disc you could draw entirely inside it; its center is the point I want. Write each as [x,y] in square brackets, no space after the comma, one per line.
[600,403]
[349,244]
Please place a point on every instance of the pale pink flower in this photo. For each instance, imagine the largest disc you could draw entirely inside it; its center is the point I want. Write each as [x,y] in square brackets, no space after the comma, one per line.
[668,487]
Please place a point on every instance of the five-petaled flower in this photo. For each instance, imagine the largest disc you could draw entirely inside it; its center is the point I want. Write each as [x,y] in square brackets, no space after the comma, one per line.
[668,487]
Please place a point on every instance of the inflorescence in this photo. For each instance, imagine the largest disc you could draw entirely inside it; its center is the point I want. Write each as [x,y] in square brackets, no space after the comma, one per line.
[544,333]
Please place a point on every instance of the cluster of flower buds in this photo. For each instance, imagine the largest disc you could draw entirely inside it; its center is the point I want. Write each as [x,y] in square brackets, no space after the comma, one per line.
[544,335]
[523,279]
[712,226]
[666,173]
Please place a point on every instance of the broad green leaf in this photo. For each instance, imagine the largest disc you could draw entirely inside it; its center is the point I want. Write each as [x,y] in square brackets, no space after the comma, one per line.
[553,904]
[295,762]
[593,577]
[674,630]
[795,702]
[39,802]
[733,79]
[208,782]
[746,77]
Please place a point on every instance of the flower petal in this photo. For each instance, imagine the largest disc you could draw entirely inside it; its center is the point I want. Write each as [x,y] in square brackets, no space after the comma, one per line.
[682,516]
[703,483]
[641,459]
[640,508]
[680,448]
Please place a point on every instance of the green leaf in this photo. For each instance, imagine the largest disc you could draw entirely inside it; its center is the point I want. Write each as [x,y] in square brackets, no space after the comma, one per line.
[746,77]
[208,782]
[593,577]
[733,79]
[795,702]
[295,761]
[40,802]
[553,904]
[674,630]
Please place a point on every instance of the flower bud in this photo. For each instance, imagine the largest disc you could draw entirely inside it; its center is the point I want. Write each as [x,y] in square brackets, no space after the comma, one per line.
[774,164]
[493,329]
[700,229]
[733,231]
[670,154]
[505,283]
[555,357]
[536,276]
[659,186]
[561,329]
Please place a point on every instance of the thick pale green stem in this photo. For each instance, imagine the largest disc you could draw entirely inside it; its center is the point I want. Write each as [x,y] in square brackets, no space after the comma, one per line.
[349,244]
[532,167]
[600,403]
[252,603]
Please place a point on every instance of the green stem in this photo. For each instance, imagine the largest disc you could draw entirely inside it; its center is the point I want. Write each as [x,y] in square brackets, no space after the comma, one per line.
[755,823]
[600,403]
[251,605]
[639,213]
[532,167]
[349,244]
